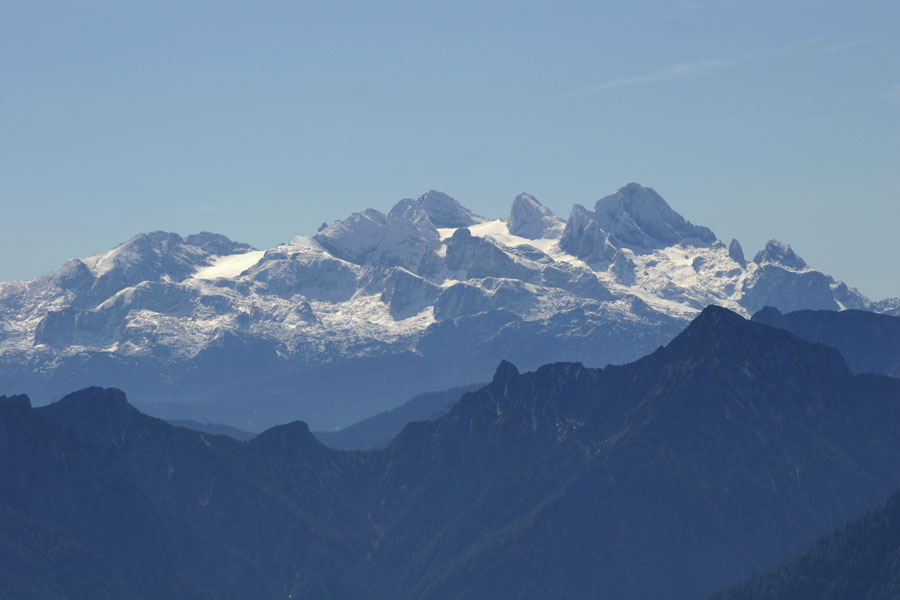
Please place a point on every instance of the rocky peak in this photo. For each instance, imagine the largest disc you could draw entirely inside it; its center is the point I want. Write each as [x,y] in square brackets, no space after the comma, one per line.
[99,399]
[585,238]
[736,252]
[100,414]
[505,372]
[370,238]
[718,335]
[154,256]
[216,243]
[295,433]
[410,211]
[445,211]
[779,253]
[18,401]
[636,217]
[530,219]
[291,441]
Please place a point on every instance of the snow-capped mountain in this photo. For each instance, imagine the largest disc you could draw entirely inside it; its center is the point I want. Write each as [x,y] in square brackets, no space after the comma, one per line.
[377,307]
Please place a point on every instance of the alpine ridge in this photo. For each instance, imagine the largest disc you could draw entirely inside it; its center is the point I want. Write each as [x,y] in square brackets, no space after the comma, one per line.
[732,447]
[430,292]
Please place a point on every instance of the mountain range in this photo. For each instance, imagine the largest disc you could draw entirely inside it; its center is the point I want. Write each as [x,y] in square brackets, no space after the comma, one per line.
[732,447]
[426,297]
[870,342]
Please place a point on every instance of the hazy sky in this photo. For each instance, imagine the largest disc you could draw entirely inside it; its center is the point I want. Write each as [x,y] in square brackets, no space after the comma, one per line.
[260,120]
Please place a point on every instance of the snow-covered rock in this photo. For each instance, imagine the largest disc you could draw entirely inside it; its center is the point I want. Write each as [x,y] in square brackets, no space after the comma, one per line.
[780,254]
[444,211]
[736,252]
[530,219]
[637,218]
[586,239]
[376,307]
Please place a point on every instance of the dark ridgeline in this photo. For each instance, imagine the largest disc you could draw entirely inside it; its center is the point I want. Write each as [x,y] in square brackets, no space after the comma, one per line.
[165,512]
[869,341]
[731,448]
[377,431]
[214,429]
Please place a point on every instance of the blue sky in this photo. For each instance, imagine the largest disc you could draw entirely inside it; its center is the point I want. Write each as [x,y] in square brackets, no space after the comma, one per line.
[260,120]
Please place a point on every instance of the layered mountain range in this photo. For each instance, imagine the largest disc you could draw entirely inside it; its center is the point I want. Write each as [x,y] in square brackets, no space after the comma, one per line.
[426,297]
[734,446]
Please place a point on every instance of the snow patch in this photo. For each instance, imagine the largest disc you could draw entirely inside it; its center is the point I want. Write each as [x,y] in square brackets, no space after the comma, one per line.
[229,266]
[498,231]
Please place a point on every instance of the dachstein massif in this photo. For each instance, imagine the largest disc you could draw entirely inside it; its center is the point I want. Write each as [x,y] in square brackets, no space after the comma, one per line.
[426,297]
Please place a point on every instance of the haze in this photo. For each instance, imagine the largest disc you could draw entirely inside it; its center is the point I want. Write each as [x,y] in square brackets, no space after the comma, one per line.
[262,120]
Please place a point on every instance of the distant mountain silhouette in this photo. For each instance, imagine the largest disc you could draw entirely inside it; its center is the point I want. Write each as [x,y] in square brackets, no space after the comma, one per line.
[731,448]
[214,429]
[869,341]
[379,430]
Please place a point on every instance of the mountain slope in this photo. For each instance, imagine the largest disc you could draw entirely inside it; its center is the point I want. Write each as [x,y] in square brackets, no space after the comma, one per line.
[707,460]
[861,561]
[870,342]
[240,507]
[377,431]
[430,292]
[731,448]
[76,523]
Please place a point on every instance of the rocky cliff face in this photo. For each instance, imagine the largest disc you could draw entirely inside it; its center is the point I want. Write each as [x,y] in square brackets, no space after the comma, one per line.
[530,219]
[430,292]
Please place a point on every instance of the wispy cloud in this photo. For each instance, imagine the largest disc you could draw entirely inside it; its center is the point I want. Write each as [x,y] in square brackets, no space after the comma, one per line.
[812,46]
[786,49]
[808,46]
[838,47]
[672,72]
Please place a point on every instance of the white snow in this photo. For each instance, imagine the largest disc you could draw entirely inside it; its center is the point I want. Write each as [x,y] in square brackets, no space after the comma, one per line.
[229,266]
[498,230]
[445,232]
[305,242]
[100,263]
[314,304]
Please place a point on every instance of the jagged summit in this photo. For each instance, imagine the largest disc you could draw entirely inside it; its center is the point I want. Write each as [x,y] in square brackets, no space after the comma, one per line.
[781,254]
[634,218]
[445,211]
[585,238]
[718,335]
[18,400]
[429,291]
[706,327]
[369,237]
[154,256]
[216,243]
[736,252]
[505,371]
[637,217]
[530,219]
